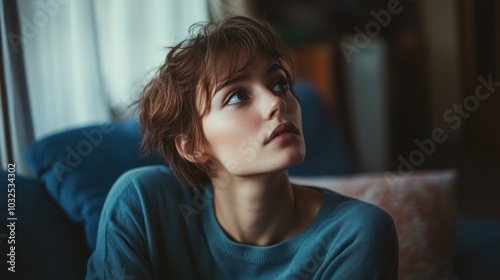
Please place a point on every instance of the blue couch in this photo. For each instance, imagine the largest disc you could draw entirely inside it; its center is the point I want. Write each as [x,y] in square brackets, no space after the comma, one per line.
[58,209]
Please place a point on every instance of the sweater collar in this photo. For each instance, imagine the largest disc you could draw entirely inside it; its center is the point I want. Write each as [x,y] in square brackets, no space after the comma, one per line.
[221,245]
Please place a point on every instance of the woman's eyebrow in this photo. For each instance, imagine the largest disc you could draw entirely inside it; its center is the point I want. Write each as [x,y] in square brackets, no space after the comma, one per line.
[273,67]
[231,81]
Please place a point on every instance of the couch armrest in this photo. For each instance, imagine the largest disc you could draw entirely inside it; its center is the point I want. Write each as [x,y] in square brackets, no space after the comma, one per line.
[47,244]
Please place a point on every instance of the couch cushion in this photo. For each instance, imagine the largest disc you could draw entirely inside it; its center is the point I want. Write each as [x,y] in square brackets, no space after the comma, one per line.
[423,208]
[47,244]
[79,167]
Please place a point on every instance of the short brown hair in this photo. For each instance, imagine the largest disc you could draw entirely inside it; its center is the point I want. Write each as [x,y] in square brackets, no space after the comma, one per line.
[175,100]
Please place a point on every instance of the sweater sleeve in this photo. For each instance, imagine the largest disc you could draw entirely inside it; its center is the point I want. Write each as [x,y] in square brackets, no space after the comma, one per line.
[368,249]
[121,248]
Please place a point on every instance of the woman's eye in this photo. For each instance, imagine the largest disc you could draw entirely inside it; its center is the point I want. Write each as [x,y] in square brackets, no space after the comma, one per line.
[237,97]
[281,87]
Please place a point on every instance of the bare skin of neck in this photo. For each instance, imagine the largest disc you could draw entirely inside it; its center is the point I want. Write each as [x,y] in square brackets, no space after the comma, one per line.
[265,210]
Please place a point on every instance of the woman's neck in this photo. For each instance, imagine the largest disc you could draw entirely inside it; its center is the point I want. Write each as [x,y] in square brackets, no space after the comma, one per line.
[258,211]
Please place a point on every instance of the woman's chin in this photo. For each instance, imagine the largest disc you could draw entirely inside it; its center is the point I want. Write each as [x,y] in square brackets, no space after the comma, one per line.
[278,164]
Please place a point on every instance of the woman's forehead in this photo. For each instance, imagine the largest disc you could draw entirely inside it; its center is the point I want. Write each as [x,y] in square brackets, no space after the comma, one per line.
[230,65]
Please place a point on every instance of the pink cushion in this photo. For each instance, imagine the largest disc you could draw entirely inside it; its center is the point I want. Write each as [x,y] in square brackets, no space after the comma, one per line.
[424,209]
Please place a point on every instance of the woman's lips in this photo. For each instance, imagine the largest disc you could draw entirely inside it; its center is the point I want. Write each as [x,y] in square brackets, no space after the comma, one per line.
[283,132]
[283,138]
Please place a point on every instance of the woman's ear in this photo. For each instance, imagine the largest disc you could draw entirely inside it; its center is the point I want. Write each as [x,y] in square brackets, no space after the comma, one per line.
[181,146]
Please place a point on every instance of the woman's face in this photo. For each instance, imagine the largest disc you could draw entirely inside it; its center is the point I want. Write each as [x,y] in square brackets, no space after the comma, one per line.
[254,125]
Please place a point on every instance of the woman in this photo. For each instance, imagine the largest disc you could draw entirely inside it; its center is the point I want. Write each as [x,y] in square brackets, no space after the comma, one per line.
[222,112]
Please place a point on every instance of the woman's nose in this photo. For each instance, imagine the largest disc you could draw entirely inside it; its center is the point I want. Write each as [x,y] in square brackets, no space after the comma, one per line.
[274,105]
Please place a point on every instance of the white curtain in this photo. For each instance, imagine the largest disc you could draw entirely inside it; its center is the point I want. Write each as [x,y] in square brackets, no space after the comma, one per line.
[88,59]
[62,66]
[133,38]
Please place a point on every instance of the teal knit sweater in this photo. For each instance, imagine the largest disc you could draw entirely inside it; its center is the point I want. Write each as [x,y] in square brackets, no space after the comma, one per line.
[153,227]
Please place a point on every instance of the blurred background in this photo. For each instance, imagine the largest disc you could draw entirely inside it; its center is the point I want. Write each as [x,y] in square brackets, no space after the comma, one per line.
[410,85]
[406,82]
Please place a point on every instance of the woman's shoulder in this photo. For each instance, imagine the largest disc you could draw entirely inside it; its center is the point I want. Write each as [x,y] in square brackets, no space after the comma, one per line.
[362,234]
[150,185]
[147,176]
[352,213]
